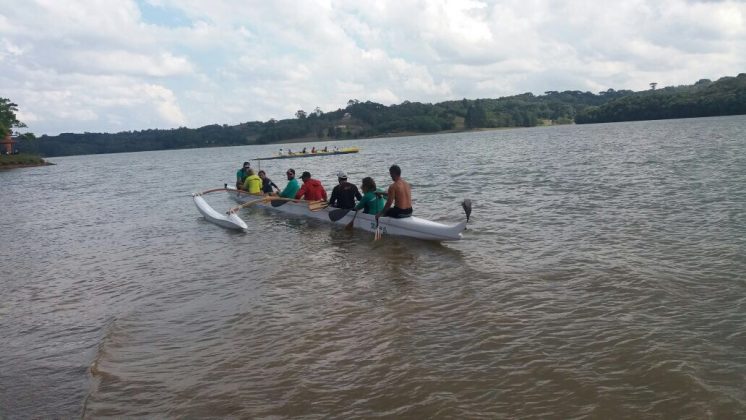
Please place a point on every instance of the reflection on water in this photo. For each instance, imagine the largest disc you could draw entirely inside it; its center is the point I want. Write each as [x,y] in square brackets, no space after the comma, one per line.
[602,273]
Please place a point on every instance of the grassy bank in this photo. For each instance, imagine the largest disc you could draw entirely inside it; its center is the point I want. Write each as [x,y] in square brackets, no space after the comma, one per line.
[20,160]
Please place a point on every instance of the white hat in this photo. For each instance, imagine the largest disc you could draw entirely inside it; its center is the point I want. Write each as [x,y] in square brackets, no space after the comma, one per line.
[342,174]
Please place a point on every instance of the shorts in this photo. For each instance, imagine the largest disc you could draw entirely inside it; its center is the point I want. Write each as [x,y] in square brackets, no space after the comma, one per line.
[398,213]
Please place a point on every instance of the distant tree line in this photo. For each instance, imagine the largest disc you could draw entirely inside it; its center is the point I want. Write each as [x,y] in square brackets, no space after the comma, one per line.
[727,96]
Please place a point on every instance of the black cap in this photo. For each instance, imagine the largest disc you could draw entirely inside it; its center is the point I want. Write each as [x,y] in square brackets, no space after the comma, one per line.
[305,175]
[246,164]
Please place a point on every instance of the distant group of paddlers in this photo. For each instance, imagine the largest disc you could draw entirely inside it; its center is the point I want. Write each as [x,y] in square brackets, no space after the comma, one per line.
[313,150]
[346,195]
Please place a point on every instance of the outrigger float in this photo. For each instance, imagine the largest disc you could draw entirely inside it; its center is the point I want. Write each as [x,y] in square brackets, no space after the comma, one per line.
[412,227]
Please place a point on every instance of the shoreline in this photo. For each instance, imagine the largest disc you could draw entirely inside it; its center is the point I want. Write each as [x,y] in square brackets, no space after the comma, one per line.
[24,165]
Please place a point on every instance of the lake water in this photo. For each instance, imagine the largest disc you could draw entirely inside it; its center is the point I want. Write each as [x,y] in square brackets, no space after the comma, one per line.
[603,275]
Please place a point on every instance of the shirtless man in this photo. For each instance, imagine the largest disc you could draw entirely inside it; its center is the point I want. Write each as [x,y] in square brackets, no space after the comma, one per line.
[400,195]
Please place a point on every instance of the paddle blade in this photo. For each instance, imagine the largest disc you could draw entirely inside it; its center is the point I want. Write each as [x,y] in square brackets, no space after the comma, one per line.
[278,203]
[378,233]
[337,214]
[466,205]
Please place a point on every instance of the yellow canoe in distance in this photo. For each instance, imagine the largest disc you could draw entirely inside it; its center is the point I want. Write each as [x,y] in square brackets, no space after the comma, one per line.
[342,151]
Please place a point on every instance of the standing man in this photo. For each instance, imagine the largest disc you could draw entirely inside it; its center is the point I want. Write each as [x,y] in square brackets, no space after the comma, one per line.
[312,190]
[293,185]
[242,174]
[400,195]
[344,194]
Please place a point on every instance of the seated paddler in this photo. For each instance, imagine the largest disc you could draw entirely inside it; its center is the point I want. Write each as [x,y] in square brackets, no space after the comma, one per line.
[241,175]
[252,184]
[372,201]
[293,185]
[399,201]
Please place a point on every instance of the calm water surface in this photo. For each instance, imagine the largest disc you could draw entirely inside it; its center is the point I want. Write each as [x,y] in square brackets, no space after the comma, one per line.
[602,276]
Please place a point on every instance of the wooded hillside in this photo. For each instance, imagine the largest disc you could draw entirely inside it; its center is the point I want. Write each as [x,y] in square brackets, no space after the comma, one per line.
[726,96]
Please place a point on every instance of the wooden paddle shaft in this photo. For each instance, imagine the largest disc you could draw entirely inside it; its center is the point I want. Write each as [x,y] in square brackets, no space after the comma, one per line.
[246,204]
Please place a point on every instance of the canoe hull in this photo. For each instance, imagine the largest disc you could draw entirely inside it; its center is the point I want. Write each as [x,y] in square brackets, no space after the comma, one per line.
[412,227]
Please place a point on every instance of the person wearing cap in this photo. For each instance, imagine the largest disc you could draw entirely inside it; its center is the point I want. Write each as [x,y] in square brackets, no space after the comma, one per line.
[311,190]
[344,194]
[399,201]
[252,184]
[293,185]
[242,174]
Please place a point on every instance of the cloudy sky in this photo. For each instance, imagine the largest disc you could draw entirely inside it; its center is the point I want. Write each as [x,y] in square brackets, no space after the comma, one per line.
[116,65]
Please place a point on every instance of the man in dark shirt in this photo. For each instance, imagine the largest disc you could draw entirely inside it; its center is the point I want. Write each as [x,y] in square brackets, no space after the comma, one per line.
[344,194]
[267,183]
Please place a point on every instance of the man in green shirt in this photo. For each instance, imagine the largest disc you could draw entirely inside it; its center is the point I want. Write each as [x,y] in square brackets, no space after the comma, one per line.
[293,185]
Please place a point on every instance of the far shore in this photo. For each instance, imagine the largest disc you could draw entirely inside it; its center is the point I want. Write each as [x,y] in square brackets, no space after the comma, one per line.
[297,140]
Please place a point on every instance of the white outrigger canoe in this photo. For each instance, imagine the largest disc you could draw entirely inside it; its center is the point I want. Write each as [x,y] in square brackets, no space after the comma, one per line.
[412,227]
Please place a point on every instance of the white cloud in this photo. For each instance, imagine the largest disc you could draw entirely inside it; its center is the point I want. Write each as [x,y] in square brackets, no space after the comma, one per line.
[8,49]
[101,66]
[165,102]
[125,62]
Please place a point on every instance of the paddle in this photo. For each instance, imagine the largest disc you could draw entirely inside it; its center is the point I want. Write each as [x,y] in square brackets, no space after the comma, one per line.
[246,204]
[350,225]
[312,205]
[336,214]
[466,205]
[317,205]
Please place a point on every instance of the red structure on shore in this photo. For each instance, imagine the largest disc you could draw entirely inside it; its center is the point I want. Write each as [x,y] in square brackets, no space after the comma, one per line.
[8,142]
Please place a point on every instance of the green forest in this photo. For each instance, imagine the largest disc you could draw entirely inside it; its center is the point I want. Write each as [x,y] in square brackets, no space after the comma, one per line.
[726,96]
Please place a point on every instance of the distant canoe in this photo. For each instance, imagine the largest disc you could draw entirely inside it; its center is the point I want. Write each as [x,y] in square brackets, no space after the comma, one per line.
[344,151]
